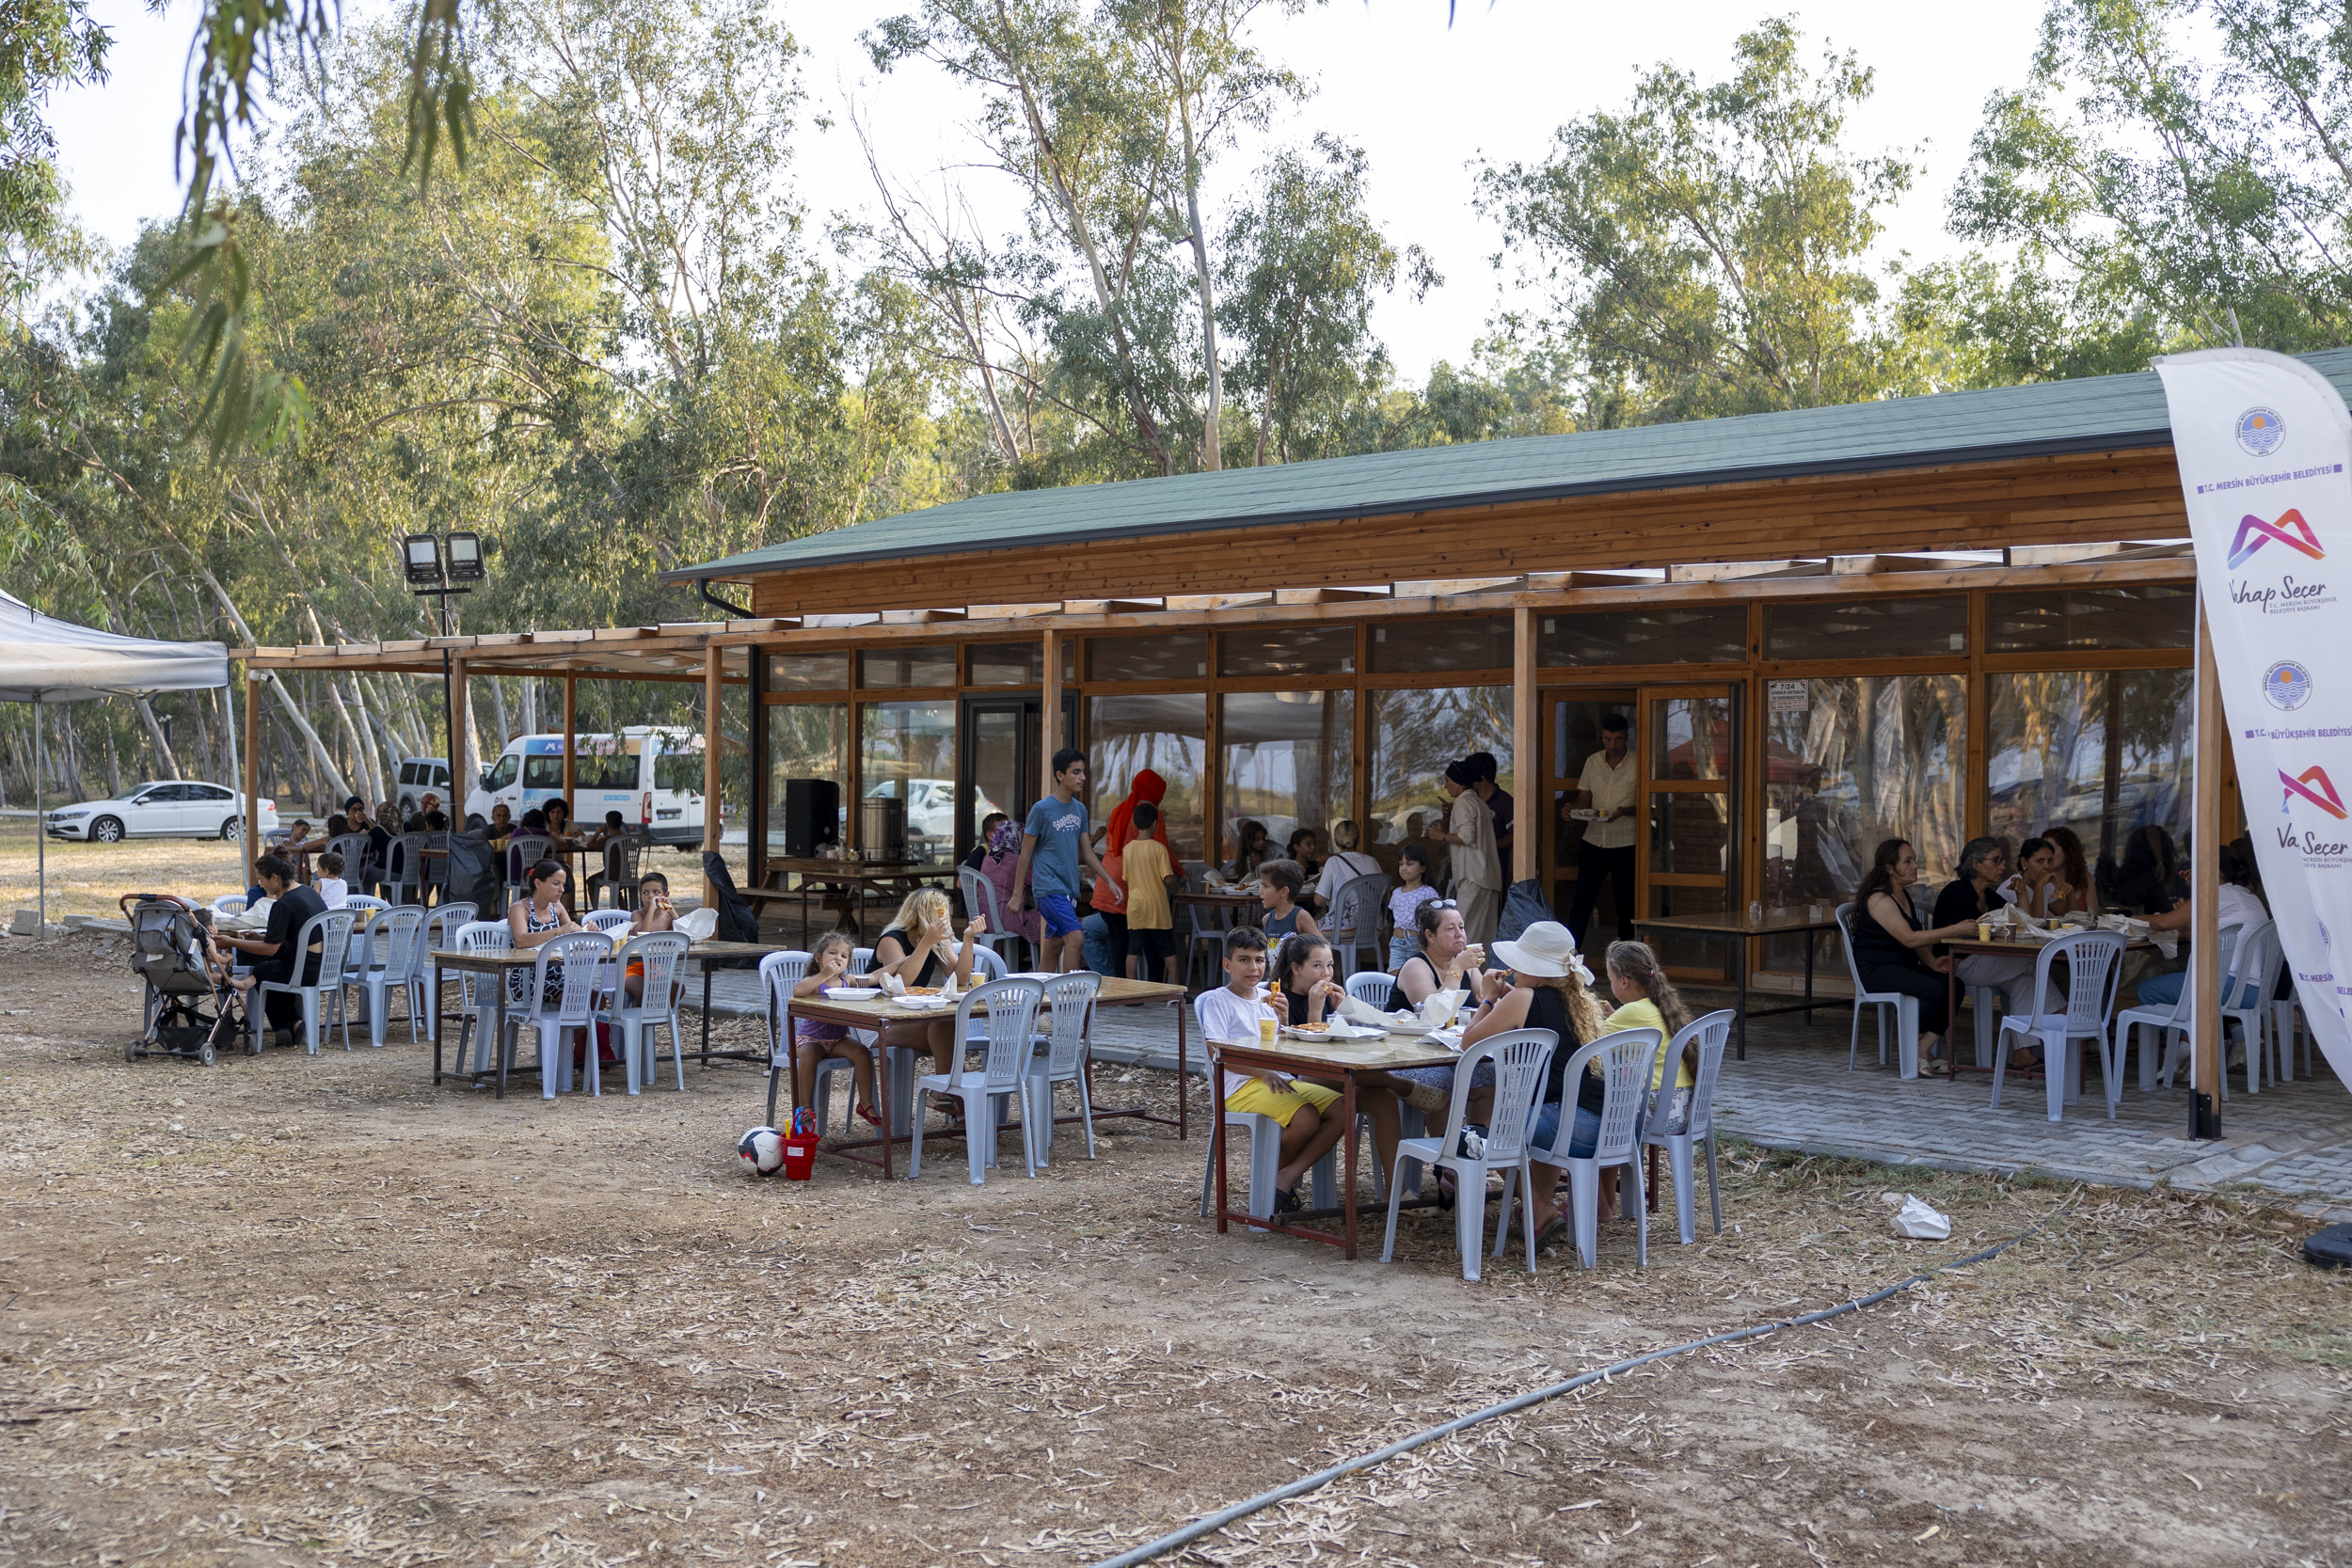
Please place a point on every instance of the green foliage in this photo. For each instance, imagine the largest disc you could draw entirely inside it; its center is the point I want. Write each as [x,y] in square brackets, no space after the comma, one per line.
[44,45]
[2209,202]
[1705,252]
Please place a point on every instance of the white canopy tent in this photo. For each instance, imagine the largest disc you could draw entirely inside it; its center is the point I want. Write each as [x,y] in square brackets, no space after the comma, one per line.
[45,661]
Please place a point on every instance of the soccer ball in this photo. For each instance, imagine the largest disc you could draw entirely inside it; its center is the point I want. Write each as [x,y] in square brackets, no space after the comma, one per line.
[762,1151]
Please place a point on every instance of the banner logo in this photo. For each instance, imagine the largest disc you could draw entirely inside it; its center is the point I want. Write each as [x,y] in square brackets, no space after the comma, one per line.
[2314,786]
[2259,430]
[2286,686]
[2290,530]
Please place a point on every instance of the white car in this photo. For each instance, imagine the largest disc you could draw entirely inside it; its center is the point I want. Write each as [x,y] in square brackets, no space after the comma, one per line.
[170,809]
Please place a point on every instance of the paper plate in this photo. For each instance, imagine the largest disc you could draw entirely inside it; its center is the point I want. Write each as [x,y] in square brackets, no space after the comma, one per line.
[854,994]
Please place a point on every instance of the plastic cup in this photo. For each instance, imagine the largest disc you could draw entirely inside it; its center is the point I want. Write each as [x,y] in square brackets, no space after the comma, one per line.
[1266,1028]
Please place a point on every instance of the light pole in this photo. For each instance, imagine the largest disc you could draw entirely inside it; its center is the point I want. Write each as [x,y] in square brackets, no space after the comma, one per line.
[439,573]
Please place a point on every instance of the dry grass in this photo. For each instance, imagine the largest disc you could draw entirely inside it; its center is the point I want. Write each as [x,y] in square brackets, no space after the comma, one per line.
[88,879]
[312,1311]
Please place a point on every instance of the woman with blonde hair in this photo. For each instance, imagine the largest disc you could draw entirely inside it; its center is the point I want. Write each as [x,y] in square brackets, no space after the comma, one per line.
[918,946]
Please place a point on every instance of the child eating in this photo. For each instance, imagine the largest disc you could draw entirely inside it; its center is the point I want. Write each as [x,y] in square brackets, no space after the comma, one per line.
[814,1042]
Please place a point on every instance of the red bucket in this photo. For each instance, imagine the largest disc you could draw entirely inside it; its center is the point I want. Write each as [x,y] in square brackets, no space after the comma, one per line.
[800,1158]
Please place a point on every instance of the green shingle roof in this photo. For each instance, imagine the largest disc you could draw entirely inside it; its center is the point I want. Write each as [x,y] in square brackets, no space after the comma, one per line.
[2042,419]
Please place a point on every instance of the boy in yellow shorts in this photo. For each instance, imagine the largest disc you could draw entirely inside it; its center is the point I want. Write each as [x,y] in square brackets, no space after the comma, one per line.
[1231,1016]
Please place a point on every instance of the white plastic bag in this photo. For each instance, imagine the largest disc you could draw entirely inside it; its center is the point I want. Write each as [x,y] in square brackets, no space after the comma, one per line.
[1920,1222]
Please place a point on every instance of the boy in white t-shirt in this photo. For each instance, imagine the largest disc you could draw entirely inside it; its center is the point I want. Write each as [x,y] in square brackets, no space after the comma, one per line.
[1229,1016]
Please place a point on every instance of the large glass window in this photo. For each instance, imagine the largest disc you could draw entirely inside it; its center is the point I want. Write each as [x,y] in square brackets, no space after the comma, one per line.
[1414,735]
[806,740]
[1420,645]
[2150,615]
[1868,629]
[1661,634]
[1869,757]
[1289,763]
[889,668]
[2100,752]
[1007,663]
[1167,731]
[1171,657]
[907,752]
[1287,651]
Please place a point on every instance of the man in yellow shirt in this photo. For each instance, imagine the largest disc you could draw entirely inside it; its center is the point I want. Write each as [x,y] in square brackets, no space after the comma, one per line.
[1151,919]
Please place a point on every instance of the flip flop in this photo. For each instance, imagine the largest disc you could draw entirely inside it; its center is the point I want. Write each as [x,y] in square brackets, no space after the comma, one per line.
[1551,1230]
[1286,1201]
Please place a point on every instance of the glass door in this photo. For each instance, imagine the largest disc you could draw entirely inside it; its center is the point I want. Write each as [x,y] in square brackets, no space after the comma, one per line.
[997,763]
[1572,737]
[1688,739]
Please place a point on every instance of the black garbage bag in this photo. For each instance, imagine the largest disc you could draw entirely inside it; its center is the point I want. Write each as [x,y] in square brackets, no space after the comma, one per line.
[475,873]
[1522,906]
[736,921]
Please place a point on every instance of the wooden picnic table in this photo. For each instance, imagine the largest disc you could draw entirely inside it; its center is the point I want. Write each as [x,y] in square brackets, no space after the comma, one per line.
[1309,1058]
[875,1013]
[858,878]
[1734,928]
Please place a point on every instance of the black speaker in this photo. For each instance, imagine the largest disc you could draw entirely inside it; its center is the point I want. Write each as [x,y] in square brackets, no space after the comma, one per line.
[812,815]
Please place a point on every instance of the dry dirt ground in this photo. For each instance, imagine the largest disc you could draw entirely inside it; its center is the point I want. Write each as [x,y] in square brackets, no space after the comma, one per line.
[312,1311]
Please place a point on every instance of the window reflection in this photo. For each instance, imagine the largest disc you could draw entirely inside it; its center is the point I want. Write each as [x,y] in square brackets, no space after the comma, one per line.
[907,752]
[1415,733]
[806,740]
[1167,732]
[2102,754]
[1871,757]
[1289,762]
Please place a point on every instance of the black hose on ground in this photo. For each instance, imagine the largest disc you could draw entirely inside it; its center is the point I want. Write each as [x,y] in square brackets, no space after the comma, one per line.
[1304,1484]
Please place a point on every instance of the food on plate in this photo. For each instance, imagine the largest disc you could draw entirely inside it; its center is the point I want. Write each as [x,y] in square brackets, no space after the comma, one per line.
[922,990]
[1311,1028]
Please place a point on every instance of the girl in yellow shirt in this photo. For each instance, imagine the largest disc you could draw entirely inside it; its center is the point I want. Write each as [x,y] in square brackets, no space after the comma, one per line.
[1647,1000]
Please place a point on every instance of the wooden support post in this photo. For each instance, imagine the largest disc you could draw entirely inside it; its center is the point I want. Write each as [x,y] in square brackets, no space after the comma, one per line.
[252,774]
[1049,720]
[461,770]
[2205,893]
[713,826]
[1527,762]
[571,747]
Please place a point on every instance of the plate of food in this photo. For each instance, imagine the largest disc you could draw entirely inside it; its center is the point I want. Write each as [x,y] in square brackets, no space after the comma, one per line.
[1584,814]
[922,990]
[1332,1029]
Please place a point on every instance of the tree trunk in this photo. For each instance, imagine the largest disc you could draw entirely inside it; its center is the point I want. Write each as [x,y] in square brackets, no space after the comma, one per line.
[113,767]
[165,760]
[1212,429]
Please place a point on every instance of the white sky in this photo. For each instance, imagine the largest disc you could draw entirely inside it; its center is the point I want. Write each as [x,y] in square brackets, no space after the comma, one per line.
[1423,100]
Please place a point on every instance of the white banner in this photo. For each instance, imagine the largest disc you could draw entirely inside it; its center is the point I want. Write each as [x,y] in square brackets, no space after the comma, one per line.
[2265,447]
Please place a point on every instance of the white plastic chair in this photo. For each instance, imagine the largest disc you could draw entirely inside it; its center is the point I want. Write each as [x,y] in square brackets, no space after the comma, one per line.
[1712,1031]
[361,903]
[1519,1057]
[332,932]
[778,973]
[1373,989]
[1067,1004]
[476,1003]
[663,956]
[606,920]
[520,854]
[1906,1007]
[582,954]
[2284,1013]
[440,930]
[228,905]
[1628,1059]
[2171,1025]
[2092,973]
[1011,1010]
[2256,969]
[1265,1150]
[402,932]
[1354,926]
[980,897]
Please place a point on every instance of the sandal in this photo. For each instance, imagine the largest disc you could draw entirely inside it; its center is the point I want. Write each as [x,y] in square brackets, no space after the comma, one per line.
[1286,1201]
[872,1117]
[1551,1230]
[1445,1191]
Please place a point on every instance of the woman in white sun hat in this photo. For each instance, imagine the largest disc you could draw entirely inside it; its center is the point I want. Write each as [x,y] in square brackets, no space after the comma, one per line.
[1543,984]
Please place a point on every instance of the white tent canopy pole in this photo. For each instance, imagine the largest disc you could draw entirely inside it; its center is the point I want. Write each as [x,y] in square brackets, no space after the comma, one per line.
[43,661]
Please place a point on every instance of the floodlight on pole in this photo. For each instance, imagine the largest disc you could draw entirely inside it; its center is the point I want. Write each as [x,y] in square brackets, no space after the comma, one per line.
[437,574]
[421,556]
[465,556]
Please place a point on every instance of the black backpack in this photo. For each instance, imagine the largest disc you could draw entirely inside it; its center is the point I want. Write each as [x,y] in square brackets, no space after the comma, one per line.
[473,873]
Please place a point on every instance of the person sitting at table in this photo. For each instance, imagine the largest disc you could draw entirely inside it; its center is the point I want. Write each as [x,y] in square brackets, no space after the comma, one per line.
[502,825]
[1232,1015]
[558,816]
[1968,898]
[329,884]
[977,859]
[299,839]
[655,912]
[427,804]
[437,821]
[1890,945]
[1413,890]
[1546,987]
[1306,992]
[1346,864]
[292,906]
[533,921]
[2240,905]
[1445,957]
[1305,851]
[1279,883]
[1647,1000]
[1000,866]
[813,1040]
[2150,880]
[2033,887]
[911,948]
[2076,889]
[1250,851]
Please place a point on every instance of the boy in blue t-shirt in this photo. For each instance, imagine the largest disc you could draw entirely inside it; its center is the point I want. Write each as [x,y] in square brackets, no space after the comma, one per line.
[1053,841]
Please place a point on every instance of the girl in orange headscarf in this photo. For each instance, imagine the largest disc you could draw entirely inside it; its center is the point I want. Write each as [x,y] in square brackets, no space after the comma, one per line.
[1116,830]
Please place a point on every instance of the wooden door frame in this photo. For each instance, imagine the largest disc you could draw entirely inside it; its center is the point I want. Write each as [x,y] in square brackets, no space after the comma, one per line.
[1730,787]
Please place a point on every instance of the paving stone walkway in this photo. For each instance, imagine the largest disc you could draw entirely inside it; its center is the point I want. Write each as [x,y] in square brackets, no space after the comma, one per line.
[2293,1140]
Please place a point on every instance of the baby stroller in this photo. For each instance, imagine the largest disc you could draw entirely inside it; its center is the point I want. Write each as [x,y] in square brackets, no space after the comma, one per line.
[187,1012]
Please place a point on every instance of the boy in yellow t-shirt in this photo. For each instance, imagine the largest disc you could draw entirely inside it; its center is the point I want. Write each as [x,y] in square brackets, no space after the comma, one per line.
[1151,919]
